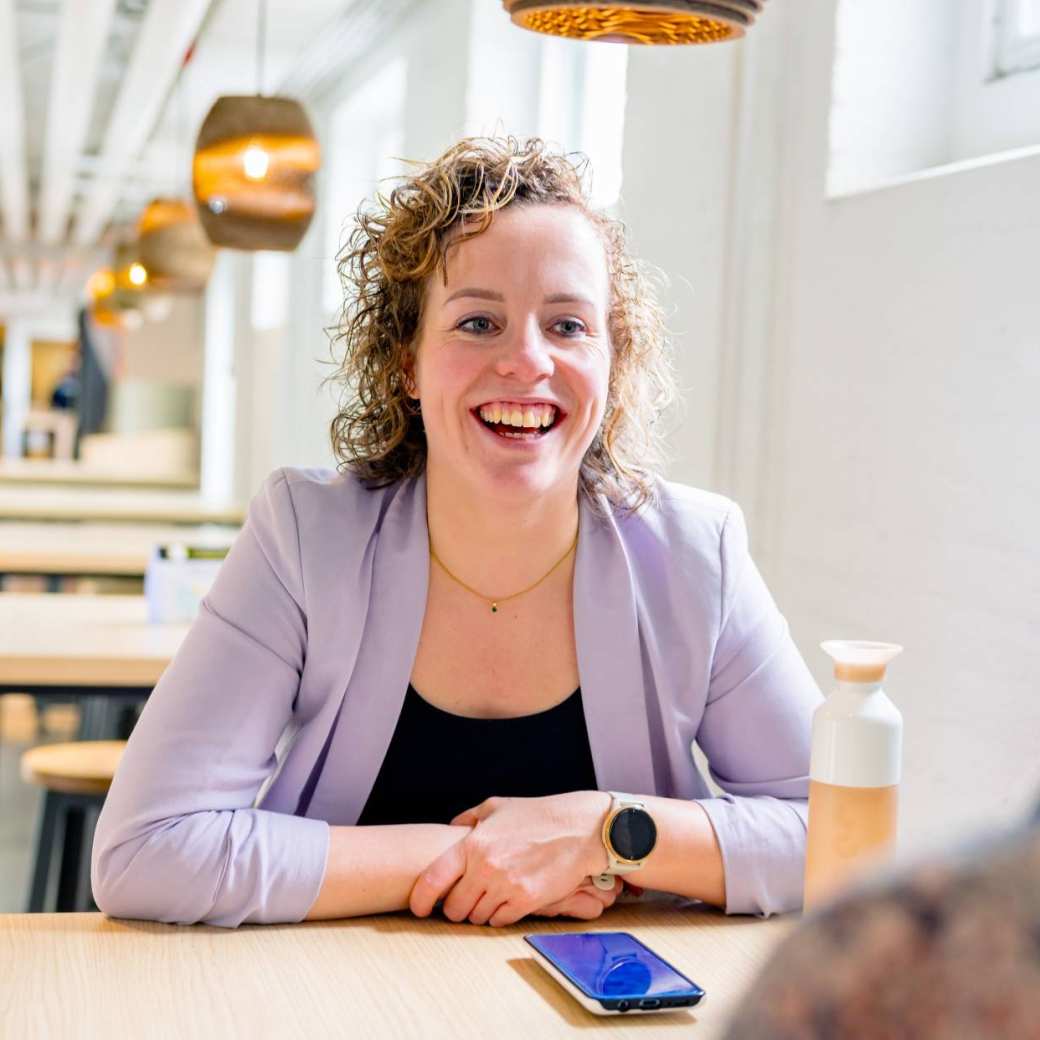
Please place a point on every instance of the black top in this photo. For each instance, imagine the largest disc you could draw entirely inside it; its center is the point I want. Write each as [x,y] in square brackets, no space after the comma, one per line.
[439,764]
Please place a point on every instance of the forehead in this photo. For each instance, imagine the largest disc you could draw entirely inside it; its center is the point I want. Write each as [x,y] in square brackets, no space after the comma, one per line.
[543,248]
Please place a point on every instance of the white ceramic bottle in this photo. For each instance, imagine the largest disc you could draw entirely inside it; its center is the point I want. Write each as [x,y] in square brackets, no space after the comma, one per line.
[854,771]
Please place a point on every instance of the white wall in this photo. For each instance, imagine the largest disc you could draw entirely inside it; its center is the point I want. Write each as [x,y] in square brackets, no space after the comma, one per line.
[905,496]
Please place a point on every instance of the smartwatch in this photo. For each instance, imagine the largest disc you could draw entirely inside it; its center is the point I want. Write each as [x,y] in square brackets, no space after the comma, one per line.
[629,836]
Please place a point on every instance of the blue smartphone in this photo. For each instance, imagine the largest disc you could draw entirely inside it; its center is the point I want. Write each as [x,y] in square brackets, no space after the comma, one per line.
[613,972]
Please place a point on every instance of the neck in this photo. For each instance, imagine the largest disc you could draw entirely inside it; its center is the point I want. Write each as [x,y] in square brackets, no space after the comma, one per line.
[498,545]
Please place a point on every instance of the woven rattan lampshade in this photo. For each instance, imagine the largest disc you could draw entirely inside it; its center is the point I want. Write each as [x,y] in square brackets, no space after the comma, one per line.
[253,172]
[637,21]
[173,247]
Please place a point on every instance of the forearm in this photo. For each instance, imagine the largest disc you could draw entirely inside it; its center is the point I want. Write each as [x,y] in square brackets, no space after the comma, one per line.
[687,859]
[371,870]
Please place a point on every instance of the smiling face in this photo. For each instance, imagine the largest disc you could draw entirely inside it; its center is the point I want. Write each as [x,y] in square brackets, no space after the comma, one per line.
[514,340]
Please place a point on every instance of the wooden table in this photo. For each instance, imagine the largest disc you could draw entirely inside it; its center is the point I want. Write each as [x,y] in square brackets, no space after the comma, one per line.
[96,549]
[73,647]
[70,471]
[150,506]
[391,976]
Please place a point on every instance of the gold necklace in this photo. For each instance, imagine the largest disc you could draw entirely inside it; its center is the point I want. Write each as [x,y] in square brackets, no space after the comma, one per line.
[495,602]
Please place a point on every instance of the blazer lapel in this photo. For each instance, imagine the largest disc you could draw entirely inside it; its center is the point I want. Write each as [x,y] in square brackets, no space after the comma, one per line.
[375,694]
[606,631]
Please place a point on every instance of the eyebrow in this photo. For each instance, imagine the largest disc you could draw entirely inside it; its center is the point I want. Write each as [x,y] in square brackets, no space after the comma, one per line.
[489,294]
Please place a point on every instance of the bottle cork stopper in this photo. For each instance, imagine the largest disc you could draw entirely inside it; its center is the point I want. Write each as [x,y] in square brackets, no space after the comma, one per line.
[860,660]
[859,672]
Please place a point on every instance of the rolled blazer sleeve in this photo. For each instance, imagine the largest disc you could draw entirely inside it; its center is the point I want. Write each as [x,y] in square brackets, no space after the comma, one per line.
[178,839]
[755,734]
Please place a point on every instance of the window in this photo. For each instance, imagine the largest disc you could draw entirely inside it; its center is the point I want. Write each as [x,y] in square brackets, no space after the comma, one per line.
[1017,37]
[582,107]
[366,134]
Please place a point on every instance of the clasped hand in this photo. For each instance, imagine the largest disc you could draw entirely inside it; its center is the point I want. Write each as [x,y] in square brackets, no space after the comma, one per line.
[523,856]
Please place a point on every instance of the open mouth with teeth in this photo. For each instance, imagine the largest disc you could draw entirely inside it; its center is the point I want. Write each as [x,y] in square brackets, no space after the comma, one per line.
[517,421]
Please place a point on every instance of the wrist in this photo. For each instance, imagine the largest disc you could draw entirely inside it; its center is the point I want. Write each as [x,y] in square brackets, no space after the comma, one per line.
[595,859]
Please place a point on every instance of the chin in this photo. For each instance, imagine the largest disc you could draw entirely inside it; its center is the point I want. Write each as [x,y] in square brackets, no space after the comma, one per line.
[521,481]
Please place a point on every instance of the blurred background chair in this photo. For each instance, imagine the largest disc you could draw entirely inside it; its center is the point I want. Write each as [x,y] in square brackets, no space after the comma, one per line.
[75,779]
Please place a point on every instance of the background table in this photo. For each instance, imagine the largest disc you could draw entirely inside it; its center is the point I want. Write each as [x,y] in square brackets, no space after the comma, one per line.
[69,503]
[76,647]
[68,471]
[96,549]
[390,976]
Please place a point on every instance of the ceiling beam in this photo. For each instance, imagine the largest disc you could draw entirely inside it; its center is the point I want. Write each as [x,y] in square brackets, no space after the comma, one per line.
[166,33]
[77,59]
[14,178]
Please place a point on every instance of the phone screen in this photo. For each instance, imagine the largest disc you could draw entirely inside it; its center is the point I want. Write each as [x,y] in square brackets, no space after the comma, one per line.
[613,964]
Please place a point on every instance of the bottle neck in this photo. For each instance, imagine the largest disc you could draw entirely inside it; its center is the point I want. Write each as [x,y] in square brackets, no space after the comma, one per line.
[862,688]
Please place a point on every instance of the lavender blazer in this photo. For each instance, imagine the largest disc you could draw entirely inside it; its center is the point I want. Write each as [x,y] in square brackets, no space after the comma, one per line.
[272,721]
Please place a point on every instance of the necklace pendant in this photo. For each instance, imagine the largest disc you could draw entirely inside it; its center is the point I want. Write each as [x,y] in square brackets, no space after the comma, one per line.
[494,608]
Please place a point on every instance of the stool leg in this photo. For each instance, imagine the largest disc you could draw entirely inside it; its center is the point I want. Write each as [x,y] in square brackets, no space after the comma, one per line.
[46,832]
[71,853]
[99,719]
[84,893]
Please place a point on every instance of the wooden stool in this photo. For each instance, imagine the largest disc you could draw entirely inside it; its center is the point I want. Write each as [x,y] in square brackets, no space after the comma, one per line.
[75,778]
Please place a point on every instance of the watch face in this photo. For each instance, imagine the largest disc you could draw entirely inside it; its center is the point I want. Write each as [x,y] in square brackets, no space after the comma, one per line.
[633,834]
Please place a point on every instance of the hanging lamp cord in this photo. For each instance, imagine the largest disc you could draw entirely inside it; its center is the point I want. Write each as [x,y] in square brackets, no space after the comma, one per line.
[261,44]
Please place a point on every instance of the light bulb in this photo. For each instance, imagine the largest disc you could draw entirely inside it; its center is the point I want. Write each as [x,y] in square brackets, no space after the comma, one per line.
[137,274]
[255,162]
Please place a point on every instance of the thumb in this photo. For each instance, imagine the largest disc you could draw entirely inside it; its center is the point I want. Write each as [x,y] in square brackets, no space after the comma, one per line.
[437,880]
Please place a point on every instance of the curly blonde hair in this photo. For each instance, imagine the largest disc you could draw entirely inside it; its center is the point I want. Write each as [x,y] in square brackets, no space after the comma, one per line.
[378,433]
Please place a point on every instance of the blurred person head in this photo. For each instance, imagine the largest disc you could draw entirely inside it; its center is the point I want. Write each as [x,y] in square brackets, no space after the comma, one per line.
[946,947]
[486,276]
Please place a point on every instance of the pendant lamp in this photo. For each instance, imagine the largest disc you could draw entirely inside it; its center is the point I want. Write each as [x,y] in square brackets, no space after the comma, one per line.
[173,248]
[637,21]
[253,172]
[254,166]
[131,277]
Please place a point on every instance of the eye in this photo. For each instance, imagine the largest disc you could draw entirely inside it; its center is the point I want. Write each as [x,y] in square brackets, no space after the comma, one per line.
[480,317]
[577,327]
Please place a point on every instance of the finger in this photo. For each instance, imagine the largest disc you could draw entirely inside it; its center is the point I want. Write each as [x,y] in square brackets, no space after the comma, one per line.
[437,879]
[606,897]
[581,905]
[460,902]
[471,817]
[485,908]
[506,914]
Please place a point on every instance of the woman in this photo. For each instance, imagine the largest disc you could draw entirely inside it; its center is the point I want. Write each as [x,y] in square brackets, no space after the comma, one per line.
[418,679]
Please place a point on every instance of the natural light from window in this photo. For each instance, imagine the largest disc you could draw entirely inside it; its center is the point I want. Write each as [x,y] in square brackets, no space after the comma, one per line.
[1017,37]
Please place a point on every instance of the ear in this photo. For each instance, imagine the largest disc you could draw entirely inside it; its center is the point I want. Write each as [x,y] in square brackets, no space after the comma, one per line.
[408,377]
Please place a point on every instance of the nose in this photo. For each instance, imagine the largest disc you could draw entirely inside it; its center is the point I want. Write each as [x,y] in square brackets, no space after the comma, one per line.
[525,355]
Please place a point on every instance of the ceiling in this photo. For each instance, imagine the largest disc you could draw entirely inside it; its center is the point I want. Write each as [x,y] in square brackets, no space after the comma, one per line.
[100,102]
